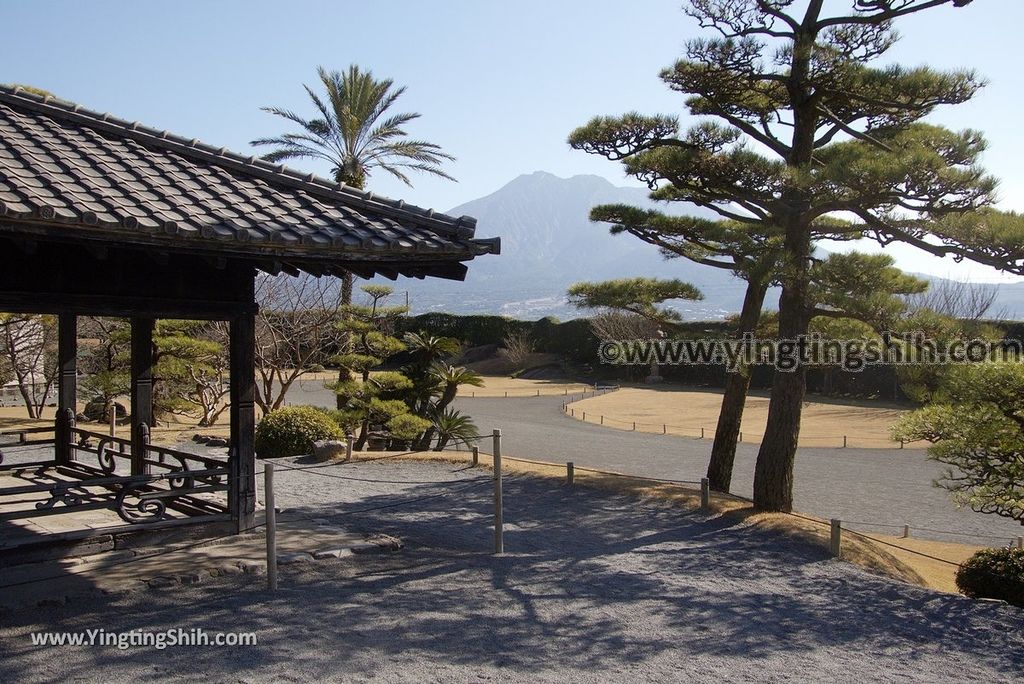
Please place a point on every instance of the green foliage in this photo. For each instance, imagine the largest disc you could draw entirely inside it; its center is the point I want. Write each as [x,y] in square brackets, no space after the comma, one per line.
[347,420]
[994,573]
[406,426]
[380,411]
[355,132]
[453,428]
[976,427]
[291,431]
[640,296]
[863,286]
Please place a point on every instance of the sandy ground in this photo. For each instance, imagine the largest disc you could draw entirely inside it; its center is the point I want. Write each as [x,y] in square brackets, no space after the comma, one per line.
[684,411]
[593,587]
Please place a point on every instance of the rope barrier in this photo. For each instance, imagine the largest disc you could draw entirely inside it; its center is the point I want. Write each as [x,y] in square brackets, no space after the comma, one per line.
[211,540]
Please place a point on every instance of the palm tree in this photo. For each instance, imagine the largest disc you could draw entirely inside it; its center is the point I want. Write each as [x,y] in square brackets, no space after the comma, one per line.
[446,380]
[453,427]
[354,132]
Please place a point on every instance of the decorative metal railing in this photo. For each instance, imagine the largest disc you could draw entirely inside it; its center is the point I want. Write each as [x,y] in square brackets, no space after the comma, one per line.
[175,480]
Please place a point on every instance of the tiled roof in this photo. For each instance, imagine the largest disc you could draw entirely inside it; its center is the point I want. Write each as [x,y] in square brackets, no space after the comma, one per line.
[97,177]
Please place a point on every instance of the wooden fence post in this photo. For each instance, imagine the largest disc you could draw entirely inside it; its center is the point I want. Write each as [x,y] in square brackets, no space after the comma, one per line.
[476,456]
[349,439]
[705,494]
[570,473]
[836,540]
[499,541]
[268,486]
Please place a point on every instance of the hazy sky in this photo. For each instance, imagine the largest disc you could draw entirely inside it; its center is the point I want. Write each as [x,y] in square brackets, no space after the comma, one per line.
[500,84]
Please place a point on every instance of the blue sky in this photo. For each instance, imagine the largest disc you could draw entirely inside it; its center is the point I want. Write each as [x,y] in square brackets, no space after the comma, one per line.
[499,84]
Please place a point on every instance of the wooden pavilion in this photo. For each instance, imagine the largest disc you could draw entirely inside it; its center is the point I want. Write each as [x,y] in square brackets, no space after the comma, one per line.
[100,216]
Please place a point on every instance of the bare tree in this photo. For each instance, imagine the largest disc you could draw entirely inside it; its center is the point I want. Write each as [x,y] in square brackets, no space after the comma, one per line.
[960,299]
[615,325]
[296,331]
[29,345]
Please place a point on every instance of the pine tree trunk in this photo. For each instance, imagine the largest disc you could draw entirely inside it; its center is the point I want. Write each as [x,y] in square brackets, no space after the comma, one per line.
[773,474]
[730,417]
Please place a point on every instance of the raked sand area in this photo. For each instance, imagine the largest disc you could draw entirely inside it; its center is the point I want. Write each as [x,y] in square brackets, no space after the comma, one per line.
[593,587]
[686,410]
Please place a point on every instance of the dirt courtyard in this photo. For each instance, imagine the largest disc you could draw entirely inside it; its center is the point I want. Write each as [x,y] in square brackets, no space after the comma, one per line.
[685,410]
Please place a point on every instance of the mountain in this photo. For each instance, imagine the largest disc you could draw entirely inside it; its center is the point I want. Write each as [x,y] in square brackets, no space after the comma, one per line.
[548,243]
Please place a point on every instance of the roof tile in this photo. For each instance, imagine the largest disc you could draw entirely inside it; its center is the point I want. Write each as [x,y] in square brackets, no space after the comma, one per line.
[65,164]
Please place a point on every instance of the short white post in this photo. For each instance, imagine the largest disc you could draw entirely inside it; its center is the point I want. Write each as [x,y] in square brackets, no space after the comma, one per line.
[705,494]
[476,455]
[268,485]
[499,540]
[906,531]
[349,439]
[113,418]
[836,541]
[570,473]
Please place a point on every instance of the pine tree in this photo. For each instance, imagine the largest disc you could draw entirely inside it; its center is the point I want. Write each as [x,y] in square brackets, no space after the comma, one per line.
[808,131]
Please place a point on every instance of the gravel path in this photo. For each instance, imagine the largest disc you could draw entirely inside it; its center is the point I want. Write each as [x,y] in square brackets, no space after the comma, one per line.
[874,485]
[594,587]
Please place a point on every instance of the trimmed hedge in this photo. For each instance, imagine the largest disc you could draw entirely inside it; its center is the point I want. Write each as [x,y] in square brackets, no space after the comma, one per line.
[291,431]
[994,573]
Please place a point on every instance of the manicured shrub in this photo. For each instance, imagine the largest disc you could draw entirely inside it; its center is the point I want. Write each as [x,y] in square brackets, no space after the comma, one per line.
[407,427]
[291,431]
[994,573]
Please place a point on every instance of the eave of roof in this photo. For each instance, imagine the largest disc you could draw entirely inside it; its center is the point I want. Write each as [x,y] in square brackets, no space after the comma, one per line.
[350,224]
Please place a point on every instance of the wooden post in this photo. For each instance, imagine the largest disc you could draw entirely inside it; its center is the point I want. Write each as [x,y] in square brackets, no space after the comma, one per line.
[1020,542]
[741,436]
[664,429]
[702,433]
[906,531]
[844,441]
[476,456]
[602,419]
[268,487]
[142,390]
[242,489]
[67,385]
[705,494]
[349,439]
[570,473]
[499,538]
[634,426]
[584,416]
[836,539]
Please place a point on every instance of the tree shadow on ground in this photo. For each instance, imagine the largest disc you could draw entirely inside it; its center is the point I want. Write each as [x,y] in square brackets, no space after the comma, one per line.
[590,582]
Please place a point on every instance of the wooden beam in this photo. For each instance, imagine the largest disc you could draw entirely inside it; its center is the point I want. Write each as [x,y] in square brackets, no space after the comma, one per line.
[142,390]
[67,384]
[242,490]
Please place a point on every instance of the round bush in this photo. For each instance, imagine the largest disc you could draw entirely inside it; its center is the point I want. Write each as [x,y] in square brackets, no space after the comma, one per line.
[291,431]
[994,573]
